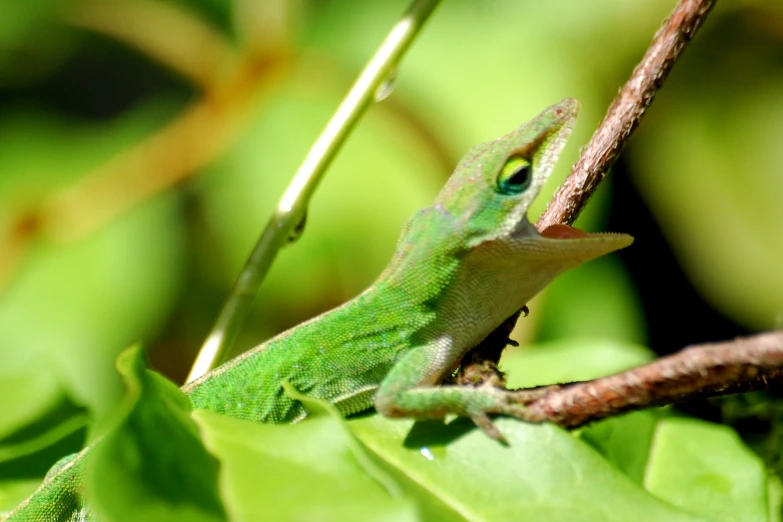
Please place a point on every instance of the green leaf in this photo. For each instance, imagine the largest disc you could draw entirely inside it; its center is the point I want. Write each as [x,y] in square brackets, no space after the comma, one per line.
[305,471]
[624,441]
[544,474]
[58,432]
[152,465]
[706,469]
[51,431]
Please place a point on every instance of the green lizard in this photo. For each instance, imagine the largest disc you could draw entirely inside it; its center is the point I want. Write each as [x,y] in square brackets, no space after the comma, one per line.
[461,268]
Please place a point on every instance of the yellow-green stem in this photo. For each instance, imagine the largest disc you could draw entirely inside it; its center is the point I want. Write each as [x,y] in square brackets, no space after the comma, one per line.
[293,205]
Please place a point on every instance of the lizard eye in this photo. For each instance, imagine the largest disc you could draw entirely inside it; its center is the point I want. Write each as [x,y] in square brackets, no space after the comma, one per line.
[515,175]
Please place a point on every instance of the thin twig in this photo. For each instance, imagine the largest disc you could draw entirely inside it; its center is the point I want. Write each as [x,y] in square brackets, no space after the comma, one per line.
[733,367]
[625,112]
[709,370]
[604,147]
[699,371]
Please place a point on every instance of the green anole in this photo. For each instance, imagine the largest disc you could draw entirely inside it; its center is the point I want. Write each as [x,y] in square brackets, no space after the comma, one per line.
[462,266]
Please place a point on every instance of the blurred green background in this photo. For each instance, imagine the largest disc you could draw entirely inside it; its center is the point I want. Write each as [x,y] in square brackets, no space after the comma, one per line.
[144,144]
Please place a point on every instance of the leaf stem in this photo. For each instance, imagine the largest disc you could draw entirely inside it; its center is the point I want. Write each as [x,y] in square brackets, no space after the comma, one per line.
[292,209]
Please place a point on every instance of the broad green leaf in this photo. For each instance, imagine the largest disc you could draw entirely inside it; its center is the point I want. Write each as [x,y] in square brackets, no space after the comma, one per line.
[624,441]
[544,474]
[51,431]
[320,408]
[705,469]
[70,425]
[305,471]
[152,465]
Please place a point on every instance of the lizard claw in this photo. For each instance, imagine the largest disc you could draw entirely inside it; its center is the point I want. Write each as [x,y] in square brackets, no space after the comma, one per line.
[486,425]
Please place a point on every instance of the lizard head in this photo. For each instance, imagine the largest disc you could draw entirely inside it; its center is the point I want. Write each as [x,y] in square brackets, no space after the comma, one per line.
[475,242]
[493,186]
[495,183]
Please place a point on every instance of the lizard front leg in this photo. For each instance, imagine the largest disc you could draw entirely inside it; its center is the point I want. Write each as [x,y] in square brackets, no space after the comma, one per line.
[410,390]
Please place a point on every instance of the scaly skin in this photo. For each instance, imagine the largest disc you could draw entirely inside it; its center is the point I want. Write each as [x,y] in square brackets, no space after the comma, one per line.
[462,266]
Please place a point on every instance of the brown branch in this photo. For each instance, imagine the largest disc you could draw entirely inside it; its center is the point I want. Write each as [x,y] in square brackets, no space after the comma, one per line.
[625,112]
[699,371]
[702,371]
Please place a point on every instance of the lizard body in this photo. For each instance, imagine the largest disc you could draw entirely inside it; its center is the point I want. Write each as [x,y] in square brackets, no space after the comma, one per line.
[462,266]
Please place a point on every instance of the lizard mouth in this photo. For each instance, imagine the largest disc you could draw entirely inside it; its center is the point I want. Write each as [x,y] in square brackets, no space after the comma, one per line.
[563,232]
[526,230]
[567,245]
